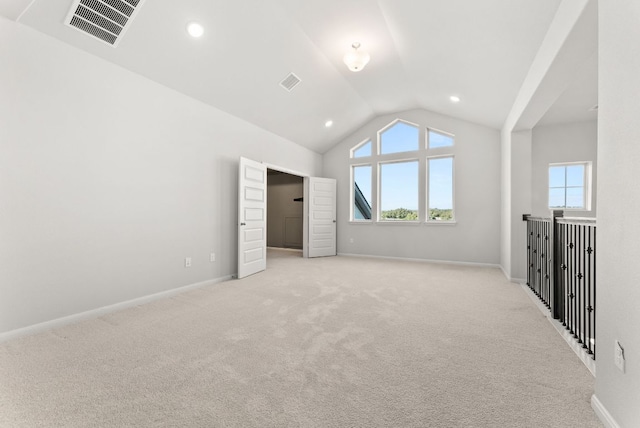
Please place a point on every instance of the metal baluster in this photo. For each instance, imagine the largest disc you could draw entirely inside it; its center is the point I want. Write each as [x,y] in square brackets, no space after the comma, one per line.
[572,278]
[595,291]
[569,290]
[548,267]
[589,251]
[529,253]
[535,258]
[574,249]
[532,284]
[539,264]
[577,274]
[563,266]
[543,263]
[547,258]
[581,282]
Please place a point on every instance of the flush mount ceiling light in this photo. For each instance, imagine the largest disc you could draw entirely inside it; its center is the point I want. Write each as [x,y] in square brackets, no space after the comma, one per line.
[355,59]
[454,98]
[195,30]
[328,123]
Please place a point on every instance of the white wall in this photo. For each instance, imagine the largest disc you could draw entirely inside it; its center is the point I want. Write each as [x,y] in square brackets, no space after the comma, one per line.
[520,202]
[569,42]
[108,181]
[571,142]
[284,215]
[475,237]
[505,201]
[618,310]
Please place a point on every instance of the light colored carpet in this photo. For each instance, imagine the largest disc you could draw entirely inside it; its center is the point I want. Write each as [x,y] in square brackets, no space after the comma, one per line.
[330,342]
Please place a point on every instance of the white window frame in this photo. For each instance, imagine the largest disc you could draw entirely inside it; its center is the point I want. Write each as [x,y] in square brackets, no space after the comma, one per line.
[353,196]
[391,125]
[379,187]
[453,189]
[586,180]
[438,131]
[357,147]
[421,155]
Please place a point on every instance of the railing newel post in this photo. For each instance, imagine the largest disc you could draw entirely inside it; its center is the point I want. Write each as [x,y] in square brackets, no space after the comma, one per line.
[556,290]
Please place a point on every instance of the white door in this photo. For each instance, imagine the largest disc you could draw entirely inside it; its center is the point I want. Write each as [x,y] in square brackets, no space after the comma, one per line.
[252,218]
[321,193]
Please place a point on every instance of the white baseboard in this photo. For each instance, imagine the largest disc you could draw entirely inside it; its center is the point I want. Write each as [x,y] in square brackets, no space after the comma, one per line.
[297,250]
[602,413]
[504,272]
[406,259]
[95,313]
[566,335]
[510,278]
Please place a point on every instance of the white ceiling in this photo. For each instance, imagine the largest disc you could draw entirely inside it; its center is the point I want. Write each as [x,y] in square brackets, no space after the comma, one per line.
[422,52]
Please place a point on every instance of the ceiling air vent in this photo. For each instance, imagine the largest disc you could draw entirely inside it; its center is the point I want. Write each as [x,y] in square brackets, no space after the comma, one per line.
[105,20]
[290,82]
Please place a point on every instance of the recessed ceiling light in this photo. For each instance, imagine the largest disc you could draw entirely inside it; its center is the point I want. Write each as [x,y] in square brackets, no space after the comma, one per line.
[454,98]
[195,30]
[328,123]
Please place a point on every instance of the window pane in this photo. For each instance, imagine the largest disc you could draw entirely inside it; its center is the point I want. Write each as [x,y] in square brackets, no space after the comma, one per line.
[575,175]
[401,137]
[399,191]
[556,198]
[556,176]
[362,192]
[436,139]
[440,189]
[362,151]
[575,197]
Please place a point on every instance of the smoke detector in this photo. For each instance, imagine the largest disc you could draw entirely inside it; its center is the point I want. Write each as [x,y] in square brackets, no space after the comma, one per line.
[104,20]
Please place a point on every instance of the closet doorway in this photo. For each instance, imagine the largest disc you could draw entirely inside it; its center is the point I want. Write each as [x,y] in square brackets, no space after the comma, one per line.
[285,210]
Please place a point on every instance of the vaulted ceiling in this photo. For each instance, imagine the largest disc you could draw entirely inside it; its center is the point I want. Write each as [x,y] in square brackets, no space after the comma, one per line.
[422,52]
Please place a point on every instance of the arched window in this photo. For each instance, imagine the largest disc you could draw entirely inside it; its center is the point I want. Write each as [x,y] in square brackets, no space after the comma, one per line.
[362,150]
[399,136]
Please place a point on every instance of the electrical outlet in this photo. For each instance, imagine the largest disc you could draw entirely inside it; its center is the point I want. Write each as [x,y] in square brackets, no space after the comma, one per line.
[619,356]
[187,262]
[212,258]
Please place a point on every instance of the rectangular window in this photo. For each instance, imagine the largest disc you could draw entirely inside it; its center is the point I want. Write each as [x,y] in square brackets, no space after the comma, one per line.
[569,186]
[399,191]
[362,192]
[440,200]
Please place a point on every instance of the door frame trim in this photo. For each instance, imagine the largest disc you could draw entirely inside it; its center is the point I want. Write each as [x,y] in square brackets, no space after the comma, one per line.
[305,203]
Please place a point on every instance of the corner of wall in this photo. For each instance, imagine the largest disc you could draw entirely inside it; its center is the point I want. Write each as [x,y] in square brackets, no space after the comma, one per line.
[602,413]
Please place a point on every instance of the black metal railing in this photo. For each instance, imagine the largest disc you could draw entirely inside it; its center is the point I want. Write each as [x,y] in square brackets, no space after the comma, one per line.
[561,271]
[539,260]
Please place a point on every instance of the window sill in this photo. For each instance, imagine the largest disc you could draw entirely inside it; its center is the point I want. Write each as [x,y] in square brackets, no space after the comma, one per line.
[398,223]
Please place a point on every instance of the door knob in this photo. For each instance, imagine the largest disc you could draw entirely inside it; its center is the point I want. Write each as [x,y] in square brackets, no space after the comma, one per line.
[243,224]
